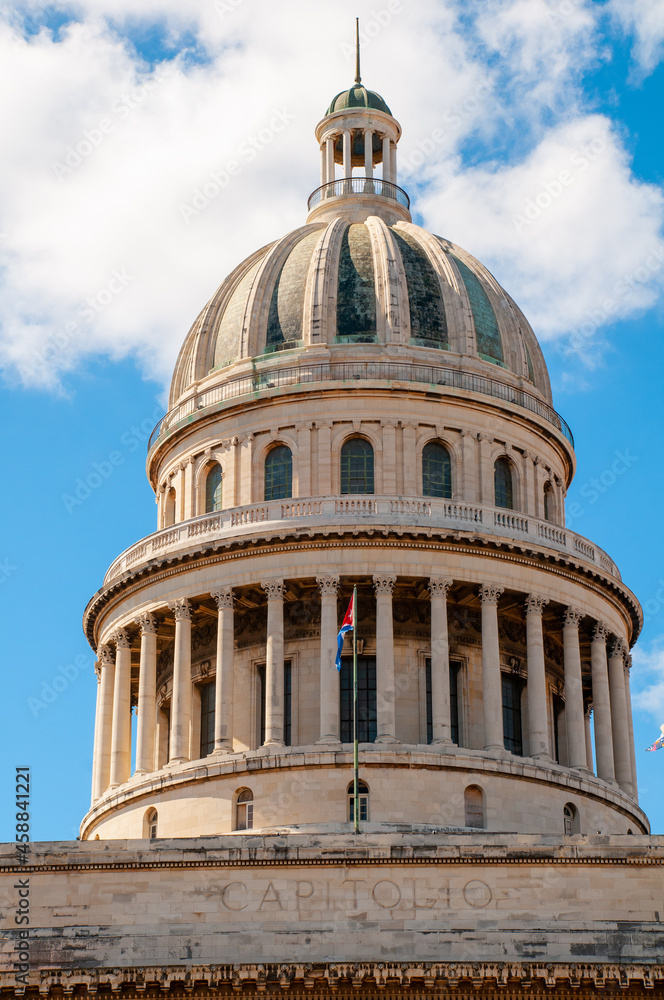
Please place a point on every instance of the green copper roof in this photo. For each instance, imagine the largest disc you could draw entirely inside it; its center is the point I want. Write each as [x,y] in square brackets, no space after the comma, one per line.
[358,97]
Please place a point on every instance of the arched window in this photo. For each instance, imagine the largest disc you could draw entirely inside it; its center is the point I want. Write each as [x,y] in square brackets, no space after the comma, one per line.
[363,801]
[357,467]
[170,507]
[548,502]
[570,820]
[473,798]
[244,810]
[504,491]
[279,473]
[152,818]
[436,470]
[213,489]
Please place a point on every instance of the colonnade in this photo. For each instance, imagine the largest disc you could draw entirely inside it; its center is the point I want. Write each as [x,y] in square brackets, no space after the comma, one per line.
[327,150]
[611,704]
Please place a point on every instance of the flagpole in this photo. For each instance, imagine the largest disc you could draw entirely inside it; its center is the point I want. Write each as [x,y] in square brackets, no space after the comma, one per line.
[356,804]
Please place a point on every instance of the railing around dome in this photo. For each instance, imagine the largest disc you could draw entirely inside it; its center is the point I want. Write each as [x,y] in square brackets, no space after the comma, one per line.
[353,371]
[345,186]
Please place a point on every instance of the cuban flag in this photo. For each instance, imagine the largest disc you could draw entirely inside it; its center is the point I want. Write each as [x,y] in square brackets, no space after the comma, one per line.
[659,743]
[347,624]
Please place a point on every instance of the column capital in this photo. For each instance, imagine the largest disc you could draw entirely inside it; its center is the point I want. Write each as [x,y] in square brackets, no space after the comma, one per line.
[628,662]
[105,654]
[618,647]
[224,597]
[98,671]
[328,585]
[384,585]
[438,587]
[600,631]
[181,609]
[534,604]
[121,639]
[147,623]
[274,589]
[572,616]
[489,593]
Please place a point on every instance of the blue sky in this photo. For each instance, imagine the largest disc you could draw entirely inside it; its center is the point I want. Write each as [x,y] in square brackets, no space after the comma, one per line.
[121,112]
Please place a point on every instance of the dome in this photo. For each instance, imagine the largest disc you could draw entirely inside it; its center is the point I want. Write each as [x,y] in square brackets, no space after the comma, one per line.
[358,97]
[340,283]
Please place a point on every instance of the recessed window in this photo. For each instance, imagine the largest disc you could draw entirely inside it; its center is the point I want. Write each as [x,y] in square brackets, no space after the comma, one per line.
[366,699]
[455,669]
[357,467]
[279,473]
[288,702]
[213,489]
[170,507]
[207,718]
[570,820]
[504,487]
[548,502]
[436,471]
[362,801]
[152,824]
[473,798]
[244,810]
[512,687]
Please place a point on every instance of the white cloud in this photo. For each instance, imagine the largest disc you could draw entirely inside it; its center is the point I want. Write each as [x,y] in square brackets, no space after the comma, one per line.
[65,232]
[648,680]
[644,19]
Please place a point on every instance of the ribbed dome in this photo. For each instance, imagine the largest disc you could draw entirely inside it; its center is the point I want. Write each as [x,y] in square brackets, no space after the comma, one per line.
[358,97]
[343,283]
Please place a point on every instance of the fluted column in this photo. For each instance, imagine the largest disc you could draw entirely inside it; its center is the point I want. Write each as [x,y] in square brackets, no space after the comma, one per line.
[387,159]
[492,690]
[440,663]
[630,722]
[102,771]
[181,703]
[368,152]
[347,148]
[385,692]
[574,714]
[147,695]
[601,705]
[589,741]
[329,675]
[619,722]
[121,740]
[274,664]
[224,681]
[538,716]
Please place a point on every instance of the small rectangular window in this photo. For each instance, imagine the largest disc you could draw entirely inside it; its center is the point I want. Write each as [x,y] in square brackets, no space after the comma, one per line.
[288,702]
[366,699]
[207,718]
[512,687]
[455,669]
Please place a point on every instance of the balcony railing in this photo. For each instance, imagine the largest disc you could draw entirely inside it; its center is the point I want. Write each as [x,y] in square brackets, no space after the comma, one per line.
[277,516]
[353,371]
[348,186]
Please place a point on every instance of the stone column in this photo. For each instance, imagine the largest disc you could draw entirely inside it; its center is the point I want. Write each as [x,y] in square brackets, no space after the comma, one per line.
[409,443]
[224,680]
[601,705]
[274,664]
[385,692]
[368,152]
[324,436]
[619,721]
[147,695]
[181,702]
[95,746]
[302,487]
[393,162]
[121,740]
[329,153]
[440,663]
[387,159]
[630,722]
[470,490]
[589,741]
[329,675]
[347,148]
[538,714]
[574,714]
[323,165]
[487,470]
[102,772]
[389,428]
[492,689]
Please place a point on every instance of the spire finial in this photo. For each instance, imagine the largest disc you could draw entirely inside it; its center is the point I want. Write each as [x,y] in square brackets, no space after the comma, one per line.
[358,78]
